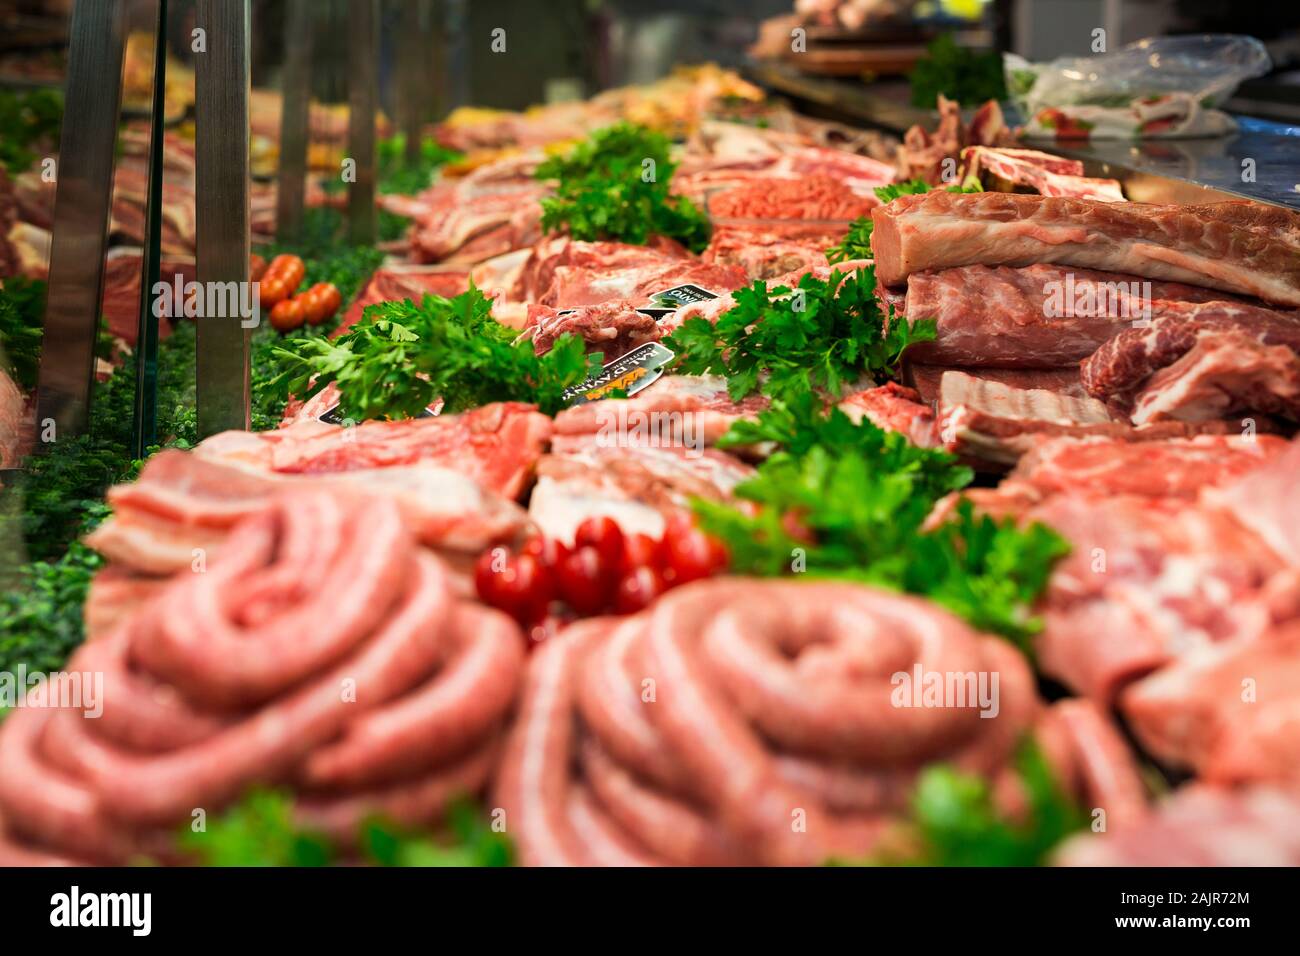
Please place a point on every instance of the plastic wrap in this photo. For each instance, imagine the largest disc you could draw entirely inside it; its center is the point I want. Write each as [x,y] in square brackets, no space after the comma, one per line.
[1161,87]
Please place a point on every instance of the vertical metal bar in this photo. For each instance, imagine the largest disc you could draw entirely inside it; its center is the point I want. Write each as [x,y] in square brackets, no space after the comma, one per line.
[293,122]
[411,50]
[363,79]
[221,208]
[92,104]
[146,341]
[439,61]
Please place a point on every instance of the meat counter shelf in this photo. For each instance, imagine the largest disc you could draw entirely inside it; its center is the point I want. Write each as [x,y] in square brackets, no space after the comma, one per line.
[1162,170]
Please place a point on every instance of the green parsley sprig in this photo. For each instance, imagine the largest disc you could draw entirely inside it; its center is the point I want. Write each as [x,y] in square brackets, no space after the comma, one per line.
[823,332]
[615,185]
[402,356]
[845,500]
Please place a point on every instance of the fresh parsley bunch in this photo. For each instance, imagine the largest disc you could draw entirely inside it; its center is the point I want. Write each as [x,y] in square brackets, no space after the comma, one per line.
[852,500]
[823,332]
[602,191]
[402,356]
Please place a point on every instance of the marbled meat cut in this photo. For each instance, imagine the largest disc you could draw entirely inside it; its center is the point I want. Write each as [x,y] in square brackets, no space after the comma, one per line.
[538,270]
[1038,316]
[1171,468]
[497,445]
[1243,247]
[768,250]
[703,398]
[639,481]
[612,328]
[1147,580]
[1200,826]
[231,679]
[1265,501]
[1202,361]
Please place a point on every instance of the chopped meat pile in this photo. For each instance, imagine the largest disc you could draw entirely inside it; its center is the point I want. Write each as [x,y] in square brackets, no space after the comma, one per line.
[811,197]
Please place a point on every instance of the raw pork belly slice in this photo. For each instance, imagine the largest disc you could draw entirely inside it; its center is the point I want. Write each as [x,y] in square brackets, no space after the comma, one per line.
[996,315]
[1172,468]
[1229,711]
[895,408]
[704,397]
[995,424]
[1230,363]
[1242,247]
[634,481]
[1200,826]
[613,328]
[497,445]
[1042,173]
[1147,580]
[926,379]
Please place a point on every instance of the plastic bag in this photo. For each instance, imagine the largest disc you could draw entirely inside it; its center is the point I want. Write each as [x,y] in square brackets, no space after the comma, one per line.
[1164,86]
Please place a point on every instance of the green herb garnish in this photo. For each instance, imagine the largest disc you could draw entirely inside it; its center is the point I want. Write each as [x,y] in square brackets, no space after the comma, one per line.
[615,185]
[844,500]
[823,332]
[402,356]
[28,121]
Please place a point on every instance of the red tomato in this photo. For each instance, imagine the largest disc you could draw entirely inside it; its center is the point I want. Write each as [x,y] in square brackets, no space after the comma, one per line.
[583,580]
[272,291]
[289,269]
[547,550]
[514,583]
[328,300]
[256,267]
[638,588]
[603,534]
[288,315]
[689,553]
[640,550]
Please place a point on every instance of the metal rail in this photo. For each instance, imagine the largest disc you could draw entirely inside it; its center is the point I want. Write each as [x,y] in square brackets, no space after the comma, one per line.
[363,74]
[82,201]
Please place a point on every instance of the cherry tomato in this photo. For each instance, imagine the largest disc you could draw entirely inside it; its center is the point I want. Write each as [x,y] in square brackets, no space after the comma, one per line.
[520,586]
[640,550]
[256,267]
[547,550]
[328,301]
[287,315]
[638,588]
[585,581]
[602,533]
[272,291]
[289,269]
[689,553]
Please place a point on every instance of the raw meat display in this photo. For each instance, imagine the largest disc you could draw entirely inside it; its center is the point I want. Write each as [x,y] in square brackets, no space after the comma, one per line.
[1018,170]
[1240,247]
[240,675]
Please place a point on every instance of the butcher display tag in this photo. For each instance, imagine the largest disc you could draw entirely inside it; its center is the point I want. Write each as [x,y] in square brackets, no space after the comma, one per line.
[681,295]
[335,415]
[630,373]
